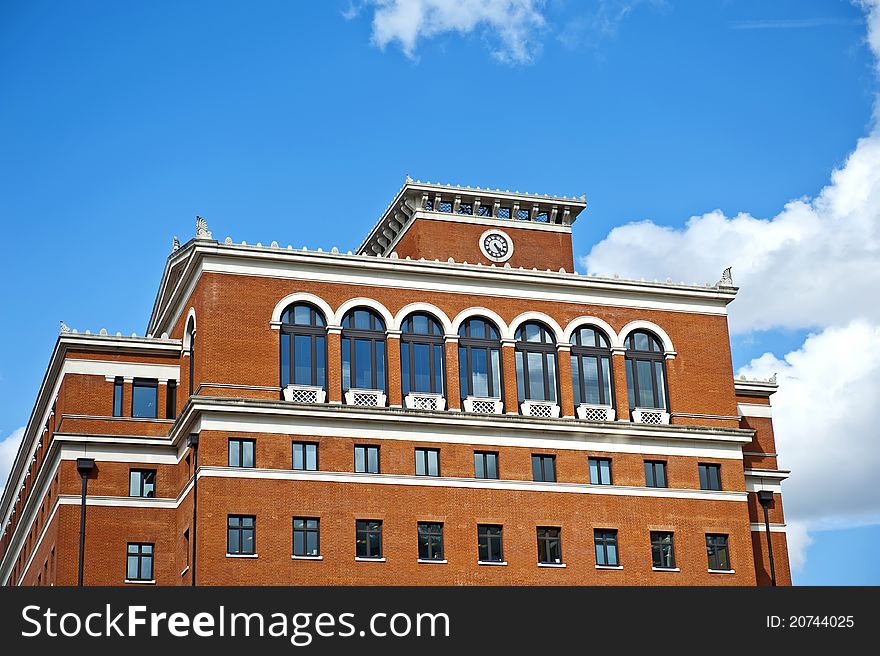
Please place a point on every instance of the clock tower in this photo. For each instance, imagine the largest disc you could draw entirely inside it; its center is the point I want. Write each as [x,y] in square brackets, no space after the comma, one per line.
[470,224]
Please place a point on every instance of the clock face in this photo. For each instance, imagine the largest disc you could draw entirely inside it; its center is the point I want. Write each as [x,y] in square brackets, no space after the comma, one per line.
[496,245]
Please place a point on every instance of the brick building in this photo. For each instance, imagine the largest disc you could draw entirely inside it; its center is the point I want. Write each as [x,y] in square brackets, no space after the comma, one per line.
[451,404]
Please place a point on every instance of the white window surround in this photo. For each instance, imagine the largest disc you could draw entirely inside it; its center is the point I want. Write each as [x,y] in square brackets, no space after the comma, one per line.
[654,416]
[668,348]
[426,308]
[428,561]
[722,571]
[139,582]
[595,412]
[424,401]
[361,559]
[553,565]
[609,566]
[304,394]
[665,569]
[300,297]
[550,322]
[493,563]
[539,409]
[483,404]
[353,394]
[229,555]
[307,557]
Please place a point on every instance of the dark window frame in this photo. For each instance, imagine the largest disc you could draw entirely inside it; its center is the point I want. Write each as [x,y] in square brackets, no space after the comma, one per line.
[241,441]
[432,532]
[521,351]
[376,333]
[316,328]
[367,448]
[484,531]
[581,352]
[241,529]
[711,479]
[304,445]
[141,556]
[632,356]
[367,530]
[658,543]
[145,383]
[651,469]
[306,530]
[543,458]
[118,396]
[716,544]
[426,464]
[408,341]
[467,342]
[143,474]
[484,456]
[545,542]
[605,537]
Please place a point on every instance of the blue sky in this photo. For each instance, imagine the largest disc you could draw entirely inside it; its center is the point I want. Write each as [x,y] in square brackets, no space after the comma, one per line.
[287,121]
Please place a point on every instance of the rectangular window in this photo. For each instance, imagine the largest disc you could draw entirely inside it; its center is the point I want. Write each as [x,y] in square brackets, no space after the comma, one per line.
[430,541]
[366,459]
[241,535]
[606,547]
[600,471]
[544,468]
[171,400]
[241,452]
[710,477]
[142,483]
[655,473]
[485,464]
[305,536]
[368,538]
[427,462]
[489,543]
[139,564]
[662,550]
[550,545]
[144,394]
[305,456]
[716,549]
[117,396]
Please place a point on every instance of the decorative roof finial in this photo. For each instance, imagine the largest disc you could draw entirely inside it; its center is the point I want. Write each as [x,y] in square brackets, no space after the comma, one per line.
[202,231]
[726,278]
[64,329]
[175,244]
[772,380]
[408,179]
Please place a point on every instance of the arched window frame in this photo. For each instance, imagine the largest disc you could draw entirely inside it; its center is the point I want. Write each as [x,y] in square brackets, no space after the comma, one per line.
[601,352]
[548,349]
[466,345]
[375,334]
[191,338]
[657,359]
[435,341]
[316,332]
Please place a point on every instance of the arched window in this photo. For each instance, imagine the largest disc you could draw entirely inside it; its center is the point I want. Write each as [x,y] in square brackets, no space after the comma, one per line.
[479,359]
[591,367]
[303,346]
[421,355]
[535,363]
[645,371]
[191,337]
[363,351]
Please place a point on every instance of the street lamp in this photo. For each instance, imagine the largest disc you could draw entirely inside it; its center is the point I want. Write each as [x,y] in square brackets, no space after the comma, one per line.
[765,498]
[84,466]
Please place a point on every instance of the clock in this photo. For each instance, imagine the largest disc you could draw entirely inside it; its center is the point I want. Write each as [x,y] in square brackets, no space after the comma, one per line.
[496,245]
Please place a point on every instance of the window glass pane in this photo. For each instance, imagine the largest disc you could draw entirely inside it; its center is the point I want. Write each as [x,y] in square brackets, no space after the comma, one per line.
[420,324]
[311,457]
[576,379]
[380,365]
[373,459]
[532,332]
[420,462]
[131,569]
[479,469]
[303,359]
[480,369]
[247,453]
[363,374]
[346,364]
[233,541]
[149,484]
[594,472]
[320,365]
[147,568]
[551,375]
[537,470]
[612,552]
[360,459]
[600,553]
[404,369]
[302,315]
[591,380]
[520,380]
[661,387]
[234,453]
[247,540]
[144,401]
[362,320]
[422,367]
[549,469]
[605,472]
[536,375]
[134,484]
[298,459]
[478,328]
[646,388]
[433,463]
[299,543]
[312,543]
[117,399]
[630,392]
[606,381]
[641,341]
[660,474]
[496,372]
[439,369]
[491,465]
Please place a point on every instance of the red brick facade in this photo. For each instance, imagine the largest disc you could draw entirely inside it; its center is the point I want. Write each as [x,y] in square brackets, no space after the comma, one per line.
[236,294]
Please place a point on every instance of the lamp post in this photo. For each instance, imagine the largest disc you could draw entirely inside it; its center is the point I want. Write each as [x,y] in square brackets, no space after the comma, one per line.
[193,443]
[765,498]
[84,466]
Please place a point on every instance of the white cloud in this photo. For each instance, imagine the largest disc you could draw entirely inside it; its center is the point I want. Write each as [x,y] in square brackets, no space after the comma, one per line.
[513,27]
[815,265]
[8,449]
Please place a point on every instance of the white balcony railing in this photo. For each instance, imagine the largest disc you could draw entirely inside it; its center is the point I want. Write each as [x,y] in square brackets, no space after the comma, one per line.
[483,404]
[592,412]
[654,416]
[539,409]
[304,394]
[366,397]
[424,401]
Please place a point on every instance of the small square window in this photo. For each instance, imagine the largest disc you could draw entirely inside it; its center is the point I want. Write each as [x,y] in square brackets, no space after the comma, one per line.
[142,483]
[662,550]
[600,471]
[366,459]
[710,476]
[144,395]
[241,534]
[139,562]
[485,464]
[427,462]
[717,551]
[368,538]
[606,547]
[305,456]
[655,473]
[430,541]
[241,452]
[544,468]
[306,536]
[489,543]
[550,545]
